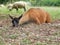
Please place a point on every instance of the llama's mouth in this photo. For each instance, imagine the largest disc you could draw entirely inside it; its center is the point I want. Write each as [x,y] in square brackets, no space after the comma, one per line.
[15,25]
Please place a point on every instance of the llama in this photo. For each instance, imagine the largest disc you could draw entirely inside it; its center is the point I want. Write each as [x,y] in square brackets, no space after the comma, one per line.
[16,5]
[35,15]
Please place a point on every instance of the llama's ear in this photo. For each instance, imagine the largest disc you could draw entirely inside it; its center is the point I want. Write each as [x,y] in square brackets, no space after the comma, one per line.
[10,16]
[20,16]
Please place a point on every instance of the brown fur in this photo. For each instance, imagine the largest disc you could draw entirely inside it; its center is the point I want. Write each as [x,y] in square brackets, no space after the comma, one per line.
[36,15]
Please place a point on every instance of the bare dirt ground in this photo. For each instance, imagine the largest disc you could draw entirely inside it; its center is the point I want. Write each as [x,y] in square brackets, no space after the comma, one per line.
[30,34]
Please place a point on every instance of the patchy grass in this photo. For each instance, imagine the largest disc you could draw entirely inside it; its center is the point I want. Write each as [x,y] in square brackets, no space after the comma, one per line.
[39,43]
[2,41]
[13,36]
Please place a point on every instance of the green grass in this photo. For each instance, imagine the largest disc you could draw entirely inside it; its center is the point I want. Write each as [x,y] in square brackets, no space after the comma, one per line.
[53,11]
[13,36]
[4,10]
[25,41]
[39,43]
[2,41]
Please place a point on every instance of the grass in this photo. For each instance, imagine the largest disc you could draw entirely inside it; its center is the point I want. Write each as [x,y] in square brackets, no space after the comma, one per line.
[53,11]
[26,41]
[13,36]
[2,41]
[4,10]
[39,43]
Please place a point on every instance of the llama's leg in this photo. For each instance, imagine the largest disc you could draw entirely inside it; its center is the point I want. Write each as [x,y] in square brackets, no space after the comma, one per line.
[24,9]
[16,9]
[37,21]
[48,19]
[10,9]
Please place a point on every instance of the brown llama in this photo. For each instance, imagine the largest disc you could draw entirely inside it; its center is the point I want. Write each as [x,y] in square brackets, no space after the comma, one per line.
[36,15]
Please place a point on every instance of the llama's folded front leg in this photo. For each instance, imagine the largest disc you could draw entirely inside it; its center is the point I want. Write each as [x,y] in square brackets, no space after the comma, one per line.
[37,21]
[24,9]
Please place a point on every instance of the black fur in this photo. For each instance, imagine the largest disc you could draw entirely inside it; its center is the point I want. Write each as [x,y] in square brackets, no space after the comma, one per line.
[15,21]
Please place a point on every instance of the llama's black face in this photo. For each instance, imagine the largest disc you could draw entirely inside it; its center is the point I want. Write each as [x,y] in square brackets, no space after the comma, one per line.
[15,21]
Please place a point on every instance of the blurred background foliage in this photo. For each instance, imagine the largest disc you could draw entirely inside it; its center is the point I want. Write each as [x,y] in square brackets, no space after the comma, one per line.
[35,2]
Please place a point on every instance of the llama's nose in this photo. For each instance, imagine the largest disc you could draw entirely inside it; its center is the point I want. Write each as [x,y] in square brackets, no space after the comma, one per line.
[15,25]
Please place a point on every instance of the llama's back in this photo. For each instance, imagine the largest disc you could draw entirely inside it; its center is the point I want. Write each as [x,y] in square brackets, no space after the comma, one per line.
[40,14]
[20,3]
[35,14]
